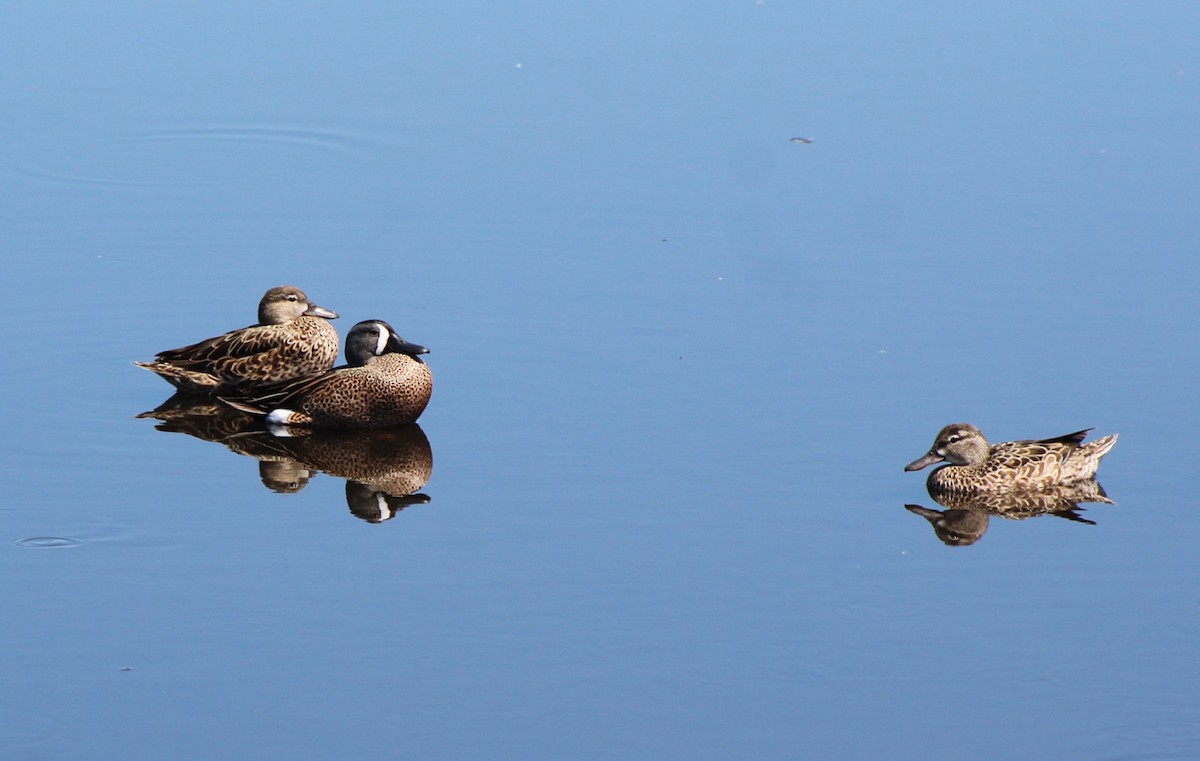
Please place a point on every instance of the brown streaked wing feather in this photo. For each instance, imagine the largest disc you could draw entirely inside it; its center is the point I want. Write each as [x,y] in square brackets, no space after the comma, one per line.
[243,342]
[270,396]
[1016,454]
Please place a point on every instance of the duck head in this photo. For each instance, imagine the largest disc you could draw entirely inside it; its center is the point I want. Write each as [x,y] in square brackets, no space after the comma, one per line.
[374,338]
[285,303]
[956,444]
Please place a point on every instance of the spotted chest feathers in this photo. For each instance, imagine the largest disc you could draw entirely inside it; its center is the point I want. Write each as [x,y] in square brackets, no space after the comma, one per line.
[388,390]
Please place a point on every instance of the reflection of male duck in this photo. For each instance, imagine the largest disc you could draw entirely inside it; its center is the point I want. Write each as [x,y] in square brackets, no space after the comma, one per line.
[966,518]
[395,461]
[384,467]
[376,506]
[292,338]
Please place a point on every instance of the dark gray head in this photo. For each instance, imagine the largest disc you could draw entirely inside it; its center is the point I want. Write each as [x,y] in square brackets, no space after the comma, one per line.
[374,338]
[285,303]
[957,444]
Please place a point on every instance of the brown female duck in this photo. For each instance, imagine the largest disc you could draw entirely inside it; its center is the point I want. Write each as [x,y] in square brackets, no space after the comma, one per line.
[974,465]
[292,338]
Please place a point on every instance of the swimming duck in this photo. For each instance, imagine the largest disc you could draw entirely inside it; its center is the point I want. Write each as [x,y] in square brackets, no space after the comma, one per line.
[384,383]
[974,465]
[292,338]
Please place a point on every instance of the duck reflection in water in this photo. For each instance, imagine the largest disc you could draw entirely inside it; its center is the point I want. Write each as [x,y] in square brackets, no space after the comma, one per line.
[385,468]
[966,516]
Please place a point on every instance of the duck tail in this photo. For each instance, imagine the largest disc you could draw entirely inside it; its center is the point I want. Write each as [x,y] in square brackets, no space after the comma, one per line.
[1101,446]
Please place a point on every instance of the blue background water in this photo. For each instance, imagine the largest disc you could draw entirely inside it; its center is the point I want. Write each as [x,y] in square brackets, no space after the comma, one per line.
[680,361]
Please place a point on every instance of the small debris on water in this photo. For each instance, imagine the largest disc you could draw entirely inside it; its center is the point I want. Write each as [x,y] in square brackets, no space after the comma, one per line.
[805,140]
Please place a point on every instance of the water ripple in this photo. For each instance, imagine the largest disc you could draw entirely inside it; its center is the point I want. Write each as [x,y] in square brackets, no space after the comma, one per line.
[47,542]
[329,140]
[193,156]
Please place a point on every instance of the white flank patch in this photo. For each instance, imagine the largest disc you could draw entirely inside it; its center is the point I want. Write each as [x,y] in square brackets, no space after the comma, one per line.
[384,335]
[279,417]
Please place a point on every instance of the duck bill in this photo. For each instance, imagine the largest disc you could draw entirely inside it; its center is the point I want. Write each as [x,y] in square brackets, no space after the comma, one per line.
[933,516]
[398,344]
[316,311]
[924,462]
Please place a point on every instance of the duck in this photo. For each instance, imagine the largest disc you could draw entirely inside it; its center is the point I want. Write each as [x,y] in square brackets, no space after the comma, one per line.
[384,383]
[973,465]
[292,338]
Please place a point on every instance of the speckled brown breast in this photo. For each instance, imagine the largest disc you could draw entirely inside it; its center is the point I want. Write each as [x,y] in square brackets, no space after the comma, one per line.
[388,390]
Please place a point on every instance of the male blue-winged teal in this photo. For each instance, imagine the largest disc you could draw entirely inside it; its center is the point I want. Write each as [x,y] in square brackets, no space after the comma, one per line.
[292,338]
[973,465]
[384,383]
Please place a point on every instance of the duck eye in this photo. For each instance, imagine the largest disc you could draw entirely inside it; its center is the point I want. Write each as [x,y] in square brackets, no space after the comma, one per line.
[953,438]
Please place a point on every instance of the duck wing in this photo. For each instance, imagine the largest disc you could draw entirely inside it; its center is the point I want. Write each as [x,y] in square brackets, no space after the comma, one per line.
[1030,458]
[261,398]
[243,342]
[1066,438]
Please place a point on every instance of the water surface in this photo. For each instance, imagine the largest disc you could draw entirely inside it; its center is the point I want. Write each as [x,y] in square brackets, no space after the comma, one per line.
[680,361]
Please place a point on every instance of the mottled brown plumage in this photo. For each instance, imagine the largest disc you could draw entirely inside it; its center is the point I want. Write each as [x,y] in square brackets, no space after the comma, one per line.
[292,339]
[384,383]
[396,461]
[966,518]
[973,465]
[1058,499]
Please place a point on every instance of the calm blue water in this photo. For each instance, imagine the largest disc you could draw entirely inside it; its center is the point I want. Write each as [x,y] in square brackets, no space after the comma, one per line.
[680,361]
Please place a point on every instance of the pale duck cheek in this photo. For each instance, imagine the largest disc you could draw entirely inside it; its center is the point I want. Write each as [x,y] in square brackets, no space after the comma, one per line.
[384,335]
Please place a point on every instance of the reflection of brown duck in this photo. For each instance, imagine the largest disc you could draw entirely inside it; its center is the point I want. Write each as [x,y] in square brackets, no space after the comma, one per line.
[966,518]
[1018,505]
[201,417]
[957,528]
[385,467]
[292,338]
[209,420]
[284,476]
